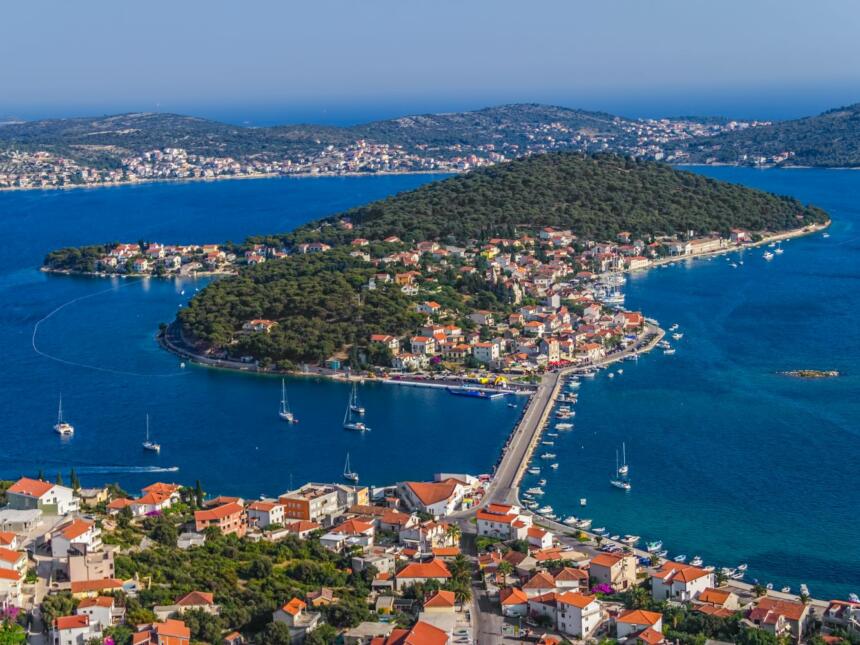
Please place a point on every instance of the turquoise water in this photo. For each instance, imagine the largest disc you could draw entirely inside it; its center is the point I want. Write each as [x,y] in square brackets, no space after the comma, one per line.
[729,460]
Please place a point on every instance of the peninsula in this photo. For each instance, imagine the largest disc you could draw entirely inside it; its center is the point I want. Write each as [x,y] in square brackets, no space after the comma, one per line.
[513,268]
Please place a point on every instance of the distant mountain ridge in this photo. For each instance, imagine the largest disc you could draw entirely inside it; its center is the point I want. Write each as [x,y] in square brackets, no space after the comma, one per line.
[829,139]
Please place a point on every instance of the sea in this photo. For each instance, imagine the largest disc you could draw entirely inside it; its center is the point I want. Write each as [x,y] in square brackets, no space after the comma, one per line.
[729,459]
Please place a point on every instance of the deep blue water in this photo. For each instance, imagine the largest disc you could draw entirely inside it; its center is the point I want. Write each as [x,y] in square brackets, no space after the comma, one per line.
[729,460]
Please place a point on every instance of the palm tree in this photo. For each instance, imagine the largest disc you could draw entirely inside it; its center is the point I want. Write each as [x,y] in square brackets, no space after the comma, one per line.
[462,593]
[460,568]
[453,533]
[505,568]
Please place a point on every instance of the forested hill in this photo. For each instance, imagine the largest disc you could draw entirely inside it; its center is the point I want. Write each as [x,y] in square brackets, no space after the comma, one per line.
[594,196]
[831,139]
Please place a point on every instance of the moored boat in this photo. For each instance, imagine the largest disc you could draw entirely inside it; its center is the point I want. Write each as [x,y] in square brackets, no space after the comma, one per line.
[62,427]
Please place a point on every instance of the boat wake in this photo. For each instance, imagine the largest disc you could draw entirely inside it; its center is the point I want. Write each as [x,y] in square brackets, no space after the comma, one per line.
[98,470]
[96,368]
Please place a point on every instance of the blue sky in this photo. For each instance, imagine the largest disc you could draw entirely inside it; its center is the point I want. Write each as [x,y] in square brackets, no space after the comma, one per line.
[339,60]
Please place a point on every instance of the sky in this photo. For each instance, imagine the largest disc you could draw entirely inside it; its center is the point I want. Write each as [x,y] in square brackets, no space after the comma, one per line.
[342,61]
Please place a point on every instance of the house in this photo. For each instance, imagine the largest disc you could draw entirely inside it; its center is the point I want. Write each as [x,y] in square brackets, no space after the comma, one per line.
[31,494]
[571,579]
[438,498]
[497,520]
[294,615]
[93,588]
[719,598]
[264,513]
[485,353]
[544,606]
[154,499]
[197,600]
[259,325]
[228,518]
[441,602]
[781,617]
[540,584]
[680,582]
[421,572]
[101,610]
[634,623]
[429,308]
[481,317]
[364,633]
[577,614]
[11,582]
[514,602]
[423,345]
[421,633]
[169,632]
[189,539]
[538,537]
[13,560]
[615,570]
[78,535]
[73,630]
[322,598]
[392,343]
[321,503]
[843,615]
[86,565]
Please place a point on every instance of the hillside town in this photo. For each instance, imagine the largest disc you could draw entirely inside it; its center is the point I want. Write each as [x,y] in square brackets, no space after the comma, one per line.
[439,562]
[655,139]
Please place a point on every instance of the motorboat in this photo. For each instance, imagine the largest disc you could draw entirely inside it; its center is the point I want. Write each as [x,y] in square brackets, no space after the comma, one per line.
[563,426]
[570,520]
[655,546]
[615,537]
[535,490]
[582,501]
[630,539]
[786,590]
[548,443]
[583,524]
[662,553]
[677,336]
[767,255]
[680,558]
[737,575]
[542,482]
[534,470]
[545,509]
[696,561]
[554,466]
[548,455]
[743,567]
[600,530]
[710,568]
[669,351]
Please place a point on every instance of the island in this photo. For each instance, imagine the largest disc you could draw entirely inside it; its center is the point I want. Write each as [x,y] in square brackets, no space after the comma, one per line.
[811,374]
[513,268]
[145,147]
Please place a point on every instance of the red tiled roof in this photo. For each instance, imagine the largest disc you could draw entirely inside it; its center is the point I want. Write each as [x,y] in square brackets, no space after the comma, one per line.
[791,610]
[96,585]
[294,607]
[8,555]
[576,599]
[441,598]
[218,513]
[639,617]
[513,596]
[98,601]
[432,492]
[650,636]
[71,622]
[432,569]
[675,571]
[196,598]
[540,580]
[75,529]
[9,574]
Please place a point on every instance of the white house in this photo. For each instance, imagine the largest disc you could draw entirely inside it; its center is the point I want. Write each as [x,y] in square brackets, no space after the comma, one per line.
[13,560]
[514,602]
[52,499]
[435,498]
[579,615]
[539,538]
[265,513]
[80,535]
[73,630]
[499,520]
[679,582]
[485,353]
[422,572]
[635,621]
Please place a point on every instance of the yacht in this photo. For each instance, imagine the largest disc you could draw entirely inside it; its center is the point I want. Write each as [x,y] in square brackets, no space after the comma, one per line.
[620,480]
[284,412]
[570,520]
[543,510]
[583,524]
[348,473]
[554,466]
[696,561]
[354,405]
[349,423]
[669,351]
[655,546]
[677,336]
[779,250]
[548,455]
[680,558]
[623,469]
[63,428]
[768,256]
[573,385]
[150,445]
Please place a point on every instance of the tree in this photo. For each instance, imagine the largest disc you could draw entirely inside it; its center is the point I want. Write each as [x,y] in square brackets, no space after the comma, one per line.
[275,634]
[453,532]
[198,494]
[163,531]
[54,605]
[73,479]
[505,568]
[12,633]
[322,635]
[59,479]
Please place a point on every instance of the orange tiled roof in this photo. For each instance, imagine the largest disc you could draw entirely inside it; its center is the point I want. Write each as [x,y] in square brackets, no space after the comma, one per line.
[98,601]
[432,569]
[650,636]
[441,598]
[71,622]
[432,492]
[8,555]
[675,571]
[96,585]
[30,487]
[512,596]
[75,529]
[294,607]
[196,598]
[576,599]
[218,513]
[639,617]
[540,580]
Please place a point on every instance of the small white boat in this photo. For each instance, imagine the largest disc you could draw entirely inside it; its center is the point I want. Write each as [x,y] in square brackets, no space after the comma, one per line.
[611,375]
[600,530]
[630,539]
[541,482]
[737,575]
[534,470]
[284,411]
[548,455]
[582,501]
[583,524]
[696,561]
[825,235]
[767,255]
[680,558]
[669,351]
[348,473]
[734,265]
[615,537]
[152,446]
[710,568]
[552,434]
[786,590]
[61,427]
[554,466]
[674,326]
[804,590]
[743,567]
[620,483]
[655,546]
[535,490]
[620,371]
[545,509]
[548,443]
[662,553]
[563,426]
[677,336]
[570,520]
[769,586]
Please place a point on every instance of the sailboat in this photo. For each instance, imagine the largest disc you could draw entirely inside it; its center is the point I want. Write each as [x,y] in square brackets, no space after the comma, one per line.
[354,405]
[284,412]
[779,250]
[348,474]
[619,481]
[61,427]
[624,468]
[150,445]
[349,423]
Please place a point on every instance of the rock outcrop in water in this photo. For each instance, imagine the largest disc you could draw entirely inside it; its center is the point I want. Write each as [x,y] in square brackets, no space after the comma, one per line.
[811,373]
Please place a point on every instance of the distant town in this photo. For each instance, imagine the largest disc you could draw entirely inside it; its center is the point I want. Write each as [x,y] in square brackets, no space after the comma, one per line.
[655,139]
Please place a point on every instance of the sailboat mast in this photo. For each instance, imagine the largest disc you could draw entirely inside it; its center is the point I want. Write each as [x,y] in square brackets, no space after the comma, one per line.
[60,410]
